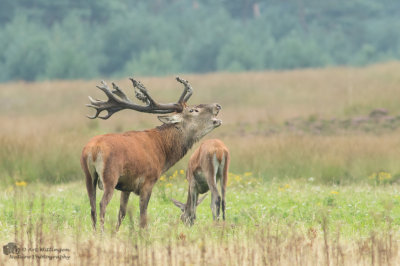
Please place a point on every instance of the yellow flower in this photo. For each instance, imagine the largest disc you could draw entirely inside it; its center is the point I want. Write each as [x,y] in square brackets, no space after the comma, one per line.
[248,174]
[384,176]
[182,172]
[168,185]
[20,184]
[334,192]
[162,178]
[372,176]
[287,186]
[281,189]
[238,178]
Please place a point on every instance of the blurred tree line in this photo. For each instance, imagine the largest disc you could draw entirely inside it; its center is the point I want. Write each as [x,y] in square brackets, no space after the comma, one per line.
[69,39]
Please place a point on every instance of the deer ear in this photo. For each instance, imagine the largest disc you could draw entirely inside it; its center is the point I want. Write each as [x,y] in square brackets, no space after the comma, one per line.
[170,119]
[179,204]
[200,200]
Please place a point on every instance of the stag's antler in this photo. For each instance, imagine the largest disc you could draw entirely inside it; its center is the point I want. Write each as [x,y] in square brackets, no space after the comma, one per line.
[117,100]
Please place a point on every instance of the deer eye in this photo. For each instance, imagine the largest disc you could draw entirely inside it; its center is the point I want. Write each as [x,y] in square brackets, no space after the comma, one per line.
[191,110]
[196,110]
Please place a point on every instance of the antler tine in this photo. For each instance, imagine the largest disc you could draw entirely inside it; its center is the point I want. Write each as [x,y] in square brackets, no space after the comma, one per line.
[119,92]
[187,92]
[141,93]
[100,105]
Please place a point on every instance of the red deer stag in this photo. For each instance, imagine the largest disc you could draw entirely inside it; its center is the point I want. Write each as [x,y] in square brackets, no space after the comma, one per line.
[133,161]
[208,164]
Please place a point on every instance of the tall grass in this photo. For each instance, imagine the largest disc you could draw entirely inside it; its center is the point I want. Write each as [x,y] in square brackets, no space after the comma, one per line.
[43,125]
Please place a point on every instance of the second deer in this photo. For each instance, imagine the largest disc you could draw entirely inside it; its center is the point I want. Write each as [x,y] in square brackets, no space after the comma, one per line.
[208,165]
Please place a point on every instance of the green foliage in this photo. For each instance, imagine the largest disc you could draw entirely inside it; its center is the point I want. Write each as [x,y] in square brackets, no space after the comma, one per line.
[24,56]
[152,62]
[75,39]
[240,53]
[296,52]
[69,55]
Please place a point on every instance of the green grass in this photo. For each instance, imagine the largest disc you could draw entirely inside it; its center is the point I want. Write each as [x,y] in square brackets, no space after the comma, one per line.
[251,202]
[268,222]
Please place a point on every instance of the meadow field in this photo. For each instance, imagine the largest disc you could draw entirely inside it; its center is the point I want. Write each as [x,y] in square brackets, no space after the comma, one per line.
[314,176]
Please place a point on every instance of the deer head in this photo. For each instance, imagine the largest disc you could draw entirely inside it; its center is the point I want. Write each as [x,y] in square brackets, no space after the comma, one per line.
[188,210]
[194,121]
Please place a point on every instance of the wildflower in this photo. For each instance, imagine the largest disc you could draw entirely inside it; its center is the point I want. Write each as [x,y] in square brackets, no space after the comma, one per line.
[372,176]
[248,174]
[182,172]
[281,189]
[311,179]
[238,178]
[162,178]
[334,192]
[20,184]
[168,185]
[287,186]
[384,176]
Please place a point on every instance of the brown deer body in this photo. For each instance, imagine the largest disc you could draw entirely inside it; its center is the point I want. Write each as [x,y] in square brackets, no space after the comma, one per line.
[133,161]
[208,165]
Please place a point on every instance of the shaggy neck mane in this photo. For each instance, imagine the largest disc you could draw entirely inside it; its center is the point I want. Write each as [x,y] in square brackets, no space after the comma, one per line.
[174,143]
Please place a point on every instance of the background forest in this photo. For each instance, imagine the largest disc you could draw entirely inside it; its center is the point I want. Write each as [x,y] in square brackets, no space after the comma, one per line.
[75,39]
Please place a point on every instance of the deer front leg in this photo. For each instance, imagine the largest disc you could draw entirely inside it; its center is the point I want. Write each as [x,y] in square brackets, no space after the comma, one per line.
[145,195]
[122,208]
[190,212]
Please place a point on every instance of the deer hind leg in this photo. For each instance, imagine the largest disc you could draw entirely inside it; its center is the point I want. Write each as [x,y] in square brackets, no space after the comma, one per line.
[223,173]
[212,184]
[108,193]
[122,208]
[109,183]
[91,182]
[92,199]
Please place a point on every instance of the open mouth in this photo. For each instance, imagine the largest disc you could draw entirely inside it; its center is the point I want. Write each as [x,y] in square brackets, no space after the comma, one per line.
[217,122]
